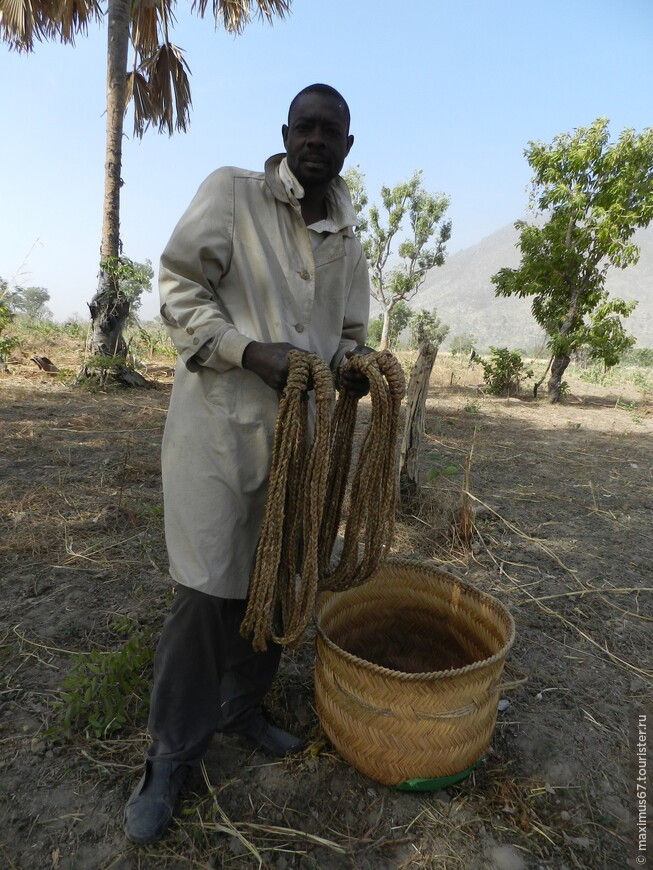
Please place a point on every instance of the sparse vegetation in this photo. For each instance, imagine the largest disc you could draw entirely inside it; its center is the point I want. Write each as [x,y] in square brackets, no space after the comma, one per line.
[84,570]
[104,691]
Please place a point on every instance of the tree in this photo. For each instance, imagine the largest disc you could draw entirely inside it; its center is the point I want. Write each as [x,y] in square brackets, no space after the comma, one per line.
[158,85]
[30,301]
[105,337]
[425,325]
[7,342]
[594,194]
[424,213]
[462,344]
[399,320]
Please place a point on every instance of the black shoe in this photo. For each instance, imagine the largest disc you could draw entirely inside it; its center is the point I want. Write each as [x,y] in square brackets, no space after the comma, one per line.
[149,809]
[269,738]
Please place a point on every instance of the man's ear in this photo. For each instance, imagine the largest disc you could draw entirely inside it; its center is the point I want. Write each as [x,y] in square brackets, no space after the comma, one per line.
[350,142]
[284,134]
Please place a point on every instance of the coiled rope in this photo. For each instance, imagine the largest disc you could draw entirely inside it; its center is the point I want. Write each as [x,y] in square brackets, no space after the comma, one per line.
[306,492]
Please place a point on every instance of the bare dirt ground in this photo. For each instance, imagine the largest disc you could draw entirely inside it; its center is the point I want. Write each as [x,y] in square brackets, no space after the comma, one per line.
[562,535]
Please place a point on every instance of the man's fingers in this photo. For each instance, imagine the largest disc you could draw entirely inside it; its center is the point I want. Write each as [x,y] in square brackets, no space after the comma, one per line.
[355,383]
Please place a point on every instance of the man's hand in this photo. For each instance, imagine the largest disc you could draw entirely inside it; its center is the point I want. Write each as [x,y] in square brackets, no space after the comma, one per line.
[355,383]
[269,360]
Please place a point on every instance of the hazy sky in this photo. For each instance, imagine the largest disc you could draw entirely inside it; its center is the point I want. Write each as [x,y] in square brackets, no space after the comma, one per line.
[455,88]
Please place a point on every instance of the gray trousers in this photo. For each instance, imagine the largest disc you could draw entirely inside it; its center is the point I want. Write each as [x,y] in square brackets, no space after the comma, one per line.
[206,676]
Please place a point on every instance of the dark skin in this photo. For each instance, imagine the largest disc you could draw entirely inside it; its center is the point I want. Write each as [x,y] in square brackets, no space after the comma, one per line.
[317,141]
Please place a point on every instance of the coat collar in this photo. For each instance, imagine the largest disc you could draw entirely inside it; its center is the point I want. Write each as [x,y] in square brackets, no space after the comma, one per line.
[339,205]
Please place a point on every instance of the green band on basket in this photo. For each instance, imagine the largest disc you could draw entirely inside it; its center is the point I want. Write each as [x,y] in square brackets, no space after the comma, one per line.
[438,782]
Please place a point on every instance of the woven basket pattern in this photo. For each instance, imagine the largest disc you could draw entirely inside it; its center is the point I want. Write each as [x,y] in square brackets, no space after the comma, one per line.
[407,671]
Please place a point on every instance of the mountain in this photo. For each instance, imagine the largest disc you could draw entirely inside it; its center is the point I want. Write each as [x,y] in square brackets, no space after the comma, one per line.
[463,294]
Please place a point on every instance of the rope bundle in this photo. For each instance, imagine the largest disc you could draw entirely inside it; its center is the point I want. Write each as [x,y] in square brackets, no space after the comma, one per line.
[306,492]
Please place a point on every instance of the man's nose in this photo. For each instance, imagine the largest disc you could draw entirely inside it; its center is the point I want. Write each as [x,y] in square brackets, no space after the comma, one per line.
[316,138]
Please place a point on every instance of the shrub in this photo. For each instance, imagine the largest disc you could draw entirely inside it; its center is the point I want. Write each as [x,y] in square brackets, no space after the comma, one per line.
[103,691]
[7,342]
[504,372]
[640,356]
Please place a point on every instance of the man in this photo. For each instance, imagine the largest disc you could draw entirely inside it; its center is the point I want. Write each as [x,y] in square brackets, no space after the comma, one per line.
[259,264]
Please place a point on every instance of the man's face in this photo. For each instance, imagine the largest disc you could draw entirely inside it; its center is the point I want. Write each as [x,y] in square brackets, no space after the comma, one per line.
[317,139]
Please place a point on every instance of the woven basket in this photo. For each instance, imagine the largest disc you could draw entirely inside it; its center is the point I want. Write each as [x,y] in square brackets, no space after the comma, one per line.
[407,672]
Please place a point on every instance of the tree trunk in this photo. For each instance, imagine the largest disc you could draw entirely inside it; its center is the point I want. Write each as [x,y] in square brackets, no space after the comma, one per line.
[541,380]
[109,309]
[558,367]
[385,330]
[117,50]
[418,386]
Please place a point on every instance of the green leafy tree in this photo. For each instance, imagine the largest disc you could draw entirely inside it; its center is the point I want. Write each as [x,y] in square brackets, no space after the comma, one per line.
[7,342]
[399,320]
[462,344]
[425,325]
[405,204]
[158,84]
[31,301]
[594,195]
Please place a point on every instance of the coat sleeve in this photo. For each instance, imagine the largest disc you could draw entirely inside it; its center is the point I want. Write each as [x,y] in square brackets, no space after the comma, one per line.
[355,321]
[192,265]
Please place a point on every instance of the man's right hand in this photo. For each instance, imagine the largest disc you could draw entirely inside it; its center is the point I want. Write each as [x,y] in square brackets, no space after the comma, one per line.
[269,360]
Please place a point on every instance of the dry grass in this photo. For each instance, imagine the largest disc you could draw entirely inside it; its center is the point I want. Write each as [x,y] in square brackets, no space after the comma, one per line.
[548,509]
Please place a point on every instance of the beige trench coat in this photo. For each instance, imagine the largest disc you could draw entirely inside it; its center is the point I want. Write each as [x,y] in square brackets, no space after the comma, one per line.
[240,267]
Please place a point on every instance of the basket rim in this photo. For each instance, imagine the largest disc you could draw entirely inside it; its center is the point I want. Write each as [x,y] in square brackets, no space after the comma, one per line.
[498,606]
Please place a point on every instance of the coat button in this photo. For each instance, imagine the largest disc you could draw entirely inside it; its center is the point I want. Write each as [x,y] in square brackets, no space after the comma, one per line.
[196,341]
[190,330]
[299,327]
[304,274]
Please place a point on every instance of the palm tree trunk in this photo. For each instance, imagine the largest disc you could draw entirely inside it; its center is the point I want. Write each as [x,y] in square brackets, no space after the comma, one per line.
[108,310]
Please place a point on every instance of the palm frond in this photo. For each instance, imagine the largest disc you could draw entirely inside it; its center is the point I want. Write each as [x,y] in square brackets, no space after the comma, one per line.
[138,90]
[150,21]
[145,29]
[168,87]
[74,16]
[22,22]
[233,15]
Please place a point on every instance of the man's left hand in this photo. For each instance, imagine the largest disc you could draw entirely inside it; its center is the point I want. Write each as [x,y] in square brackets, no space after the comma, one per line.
[355,383]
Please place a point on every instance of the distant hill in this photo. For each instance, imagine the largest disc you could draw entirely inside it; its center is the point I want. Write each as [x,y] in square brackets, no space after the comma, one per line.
[463,294]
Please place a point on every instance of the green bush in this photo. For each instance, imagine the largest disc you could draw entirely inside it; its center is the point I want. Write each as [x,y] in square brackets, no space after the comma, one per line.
[504,372]
[74,328]
[103,691]
[640,356]
[7,342]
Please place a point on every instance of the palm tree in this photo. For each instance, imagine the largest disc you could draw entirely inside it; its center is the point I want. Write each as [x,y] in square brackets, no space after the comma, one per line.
[157,85]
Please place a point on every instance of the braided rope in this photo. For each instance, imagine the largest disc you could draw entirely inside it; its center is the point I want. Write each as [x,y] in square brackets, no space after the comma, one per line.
[373,482]
[306,492]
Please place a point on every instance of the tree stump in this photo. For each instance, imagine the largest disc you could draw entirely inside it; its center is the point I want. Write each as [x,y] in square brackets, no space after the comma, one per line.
[418,386]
